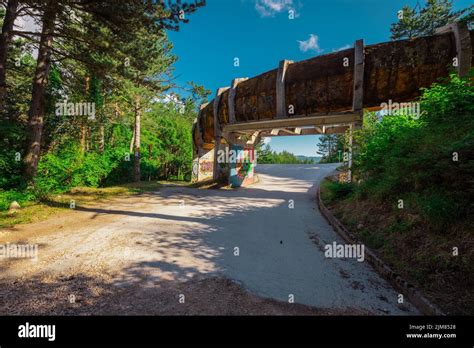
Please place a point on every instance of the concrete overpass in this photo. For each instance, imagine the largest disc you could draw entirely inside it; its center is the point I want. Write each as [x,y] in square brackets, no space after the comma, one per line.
[325,94]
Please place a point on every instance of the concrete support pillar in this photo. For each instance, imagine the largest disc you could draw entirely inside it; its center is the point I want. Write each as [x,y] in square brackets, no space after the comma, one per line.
[217,133]
[464,48]
[281,111]
[242,171]
[358,97]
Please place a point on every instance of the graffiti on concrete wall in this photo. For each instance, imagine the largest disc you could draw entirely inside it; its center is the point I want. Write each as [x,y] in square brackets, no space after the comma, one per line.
[206,166]
[242,170]
[195,172]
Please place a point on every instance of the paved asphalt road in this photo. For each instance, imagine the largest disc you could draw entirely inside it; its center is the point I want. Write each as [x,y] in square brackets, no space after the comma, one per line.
[176,234]
[277,256]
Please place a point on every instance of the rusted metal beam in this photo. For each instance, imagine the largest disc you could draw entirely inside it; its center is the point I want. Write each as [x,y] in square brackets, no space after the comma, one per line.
[281,111]
[294,122]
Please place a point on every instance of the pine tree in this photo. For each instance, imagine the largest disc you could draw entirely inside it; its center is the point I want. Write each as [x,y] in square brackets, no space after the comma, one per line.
[61,22]
[330,146]
[8,18]
[423,21]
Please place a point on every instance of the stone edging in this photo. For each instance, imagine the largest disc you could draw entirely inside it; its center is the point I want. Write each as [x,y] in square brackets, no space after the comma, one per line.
[407,289]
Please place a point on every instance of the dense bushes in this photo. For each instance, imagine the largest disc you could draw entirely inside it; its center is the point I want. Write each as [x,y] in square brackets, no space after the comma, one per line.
[334,190]
[63,170]
[426,161]
[7,197]
[166,153]
[109,86]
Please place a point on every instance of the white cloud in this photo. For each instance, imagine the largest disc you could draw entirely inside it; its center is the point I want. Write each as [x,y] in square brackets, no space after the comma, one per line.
[267,140]
[312,44]
[268,8]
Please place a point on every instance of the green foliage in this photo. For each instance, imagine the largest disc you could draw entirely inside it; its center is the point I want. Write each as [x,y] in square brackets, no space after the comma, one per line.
[10,168]
[422,21]
[166,154]
[13,121]
[407,26]
[337,191]
[373,240]
[7,197]
[122,63]
[414,159]
[449,101]
[438,207]
[377,141]
[331,147]
[168,135]
[264,153]
[60,171]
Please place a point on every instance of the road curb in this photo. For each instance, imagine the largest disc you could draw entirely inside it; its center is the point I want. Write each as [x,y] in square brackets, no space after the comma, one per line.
[400,284]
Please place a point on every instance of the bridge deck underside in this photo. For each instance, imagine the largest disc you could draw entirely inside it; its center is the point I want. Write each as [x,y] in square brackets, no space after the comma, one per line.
[307,125]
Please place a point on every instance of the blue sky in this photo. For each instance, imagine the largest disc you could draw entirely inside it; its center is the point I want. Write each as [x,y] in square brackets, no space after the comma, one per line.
[260,34]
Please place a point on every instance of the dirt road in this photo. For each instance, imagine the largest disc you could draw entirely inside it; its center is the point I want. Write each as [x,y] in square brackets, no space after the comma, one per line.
[189,251]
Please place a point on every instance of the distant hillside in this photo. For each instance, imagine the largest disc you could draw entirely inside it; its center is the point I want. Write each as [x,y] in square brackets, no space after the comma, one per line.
[314,159]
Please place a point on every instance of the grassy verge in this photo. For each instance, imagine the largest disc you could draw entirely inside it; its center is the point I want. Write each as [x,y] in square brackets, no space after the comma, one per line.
[34,211]
[401,238]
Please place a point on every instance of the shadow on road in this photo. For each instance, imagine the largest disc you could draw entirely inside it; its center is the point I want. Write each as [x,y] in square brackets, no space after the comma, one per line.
[249,235]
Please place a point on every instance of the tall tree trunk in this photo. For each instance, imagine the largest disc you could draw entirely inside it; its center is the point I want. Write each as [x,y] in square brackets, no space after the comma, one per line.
[132,142]
[88,139]
[101,138]
[136,164]
[5,40]
[83,137]
[40,80]
[84,124]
